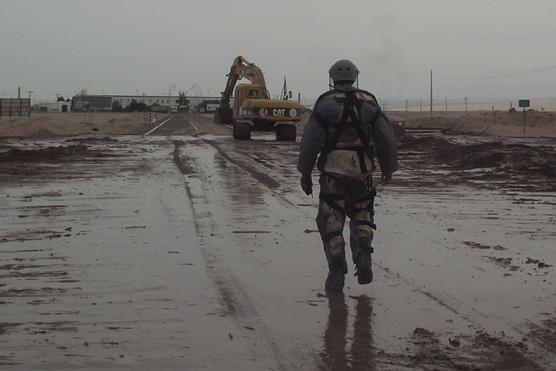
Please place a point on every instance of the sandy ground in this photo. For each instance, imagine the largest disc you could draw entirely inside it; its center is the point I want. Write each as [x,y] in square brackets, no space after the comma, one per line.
[47,125]
[500,123]
[188,250]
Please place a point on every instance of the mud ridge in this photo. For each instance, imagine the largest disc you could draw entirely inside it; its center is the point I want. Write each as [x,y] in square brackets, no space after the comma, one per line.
[480,352]
[545,333]
[515,164]
[49,154]
[505,157]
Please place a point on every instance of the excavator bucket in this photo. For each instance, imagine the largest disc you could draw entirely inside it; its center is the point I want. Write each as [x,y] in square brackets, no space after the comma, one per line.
[224,115]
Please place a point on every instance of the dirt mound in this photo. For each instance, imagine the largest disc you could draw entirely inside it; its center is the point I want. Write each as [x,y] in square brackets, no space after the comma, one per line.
[505,157]
[60,153]
[422,143]
[498,156]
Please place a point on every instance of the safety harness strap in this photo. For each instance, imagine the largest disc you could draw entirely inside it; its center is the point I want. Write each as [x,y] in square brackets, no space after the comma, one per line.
[366,222]
[330,199]
[368,197]
[351,103]
[331,235]
[350,118]
[369,209]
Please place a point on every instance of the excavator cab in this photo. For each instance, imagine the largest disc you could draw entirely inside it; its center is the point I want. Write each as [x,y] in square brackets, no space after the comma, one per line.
[244,92]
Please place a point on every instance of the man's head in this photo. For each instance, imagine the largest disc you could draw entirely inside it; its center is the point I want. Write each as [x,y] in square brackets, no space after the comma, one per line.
[343,71]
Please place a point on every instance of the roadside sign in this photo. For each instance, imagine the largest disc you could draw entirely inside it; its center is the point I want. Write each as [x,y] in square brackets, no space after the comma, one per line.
[524,103]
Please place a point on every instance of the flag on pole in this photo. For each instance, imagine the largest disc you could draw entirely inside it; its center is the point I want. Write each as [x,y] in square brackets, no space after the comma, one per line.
[285,90]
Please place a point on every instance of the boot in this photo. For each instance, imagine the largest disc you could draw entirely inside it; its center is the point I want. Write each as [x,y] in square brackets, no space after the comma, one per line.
[337,269]
[335,281]
[363,269]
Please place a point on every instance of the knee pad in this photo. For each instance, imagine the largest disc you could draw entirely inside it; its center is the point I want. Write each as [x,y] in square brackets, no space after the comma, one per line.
[364,232]
[336,247]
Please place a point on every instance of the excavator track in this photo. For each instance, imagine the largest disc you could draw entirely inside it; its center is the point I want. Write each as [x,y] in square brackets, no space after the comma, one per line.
[241,130]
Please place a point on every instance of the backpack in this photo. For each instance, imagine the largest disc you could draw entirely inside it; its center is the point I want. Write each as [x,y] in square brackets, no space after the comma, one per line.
[351,118]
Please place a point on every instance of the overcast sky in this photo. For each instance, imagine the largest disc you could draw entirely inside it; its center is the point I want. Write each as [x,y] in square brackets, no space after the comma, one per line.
[124,46]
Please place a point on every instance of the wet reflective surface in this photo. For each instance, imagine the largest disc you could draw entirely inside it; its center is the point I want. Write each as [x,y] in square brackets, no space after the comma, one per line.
[348,340]
[192,251]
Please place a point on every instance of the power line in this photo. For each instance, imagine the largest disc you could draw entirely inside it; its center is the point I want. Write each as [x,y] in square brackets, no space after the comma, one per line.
[417,82]
[499,75]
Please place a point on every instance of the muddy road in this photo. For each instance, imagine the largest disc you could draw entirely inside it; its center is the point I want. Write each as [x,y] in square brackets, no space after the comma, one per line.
[186,250]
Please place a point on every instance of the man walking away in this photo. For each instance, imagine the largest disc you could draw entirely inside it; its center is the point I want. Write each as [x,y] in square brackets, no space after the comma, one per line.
[346,131]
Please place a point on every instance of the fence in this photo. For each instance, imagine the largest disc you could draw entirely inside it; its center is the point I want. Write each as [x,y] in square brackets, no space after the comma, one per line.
[441,105]
[11,107]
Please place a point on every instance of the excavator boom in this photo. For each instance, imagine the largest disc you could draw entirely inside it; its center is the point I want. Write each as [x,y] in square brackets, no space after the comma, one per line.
[241,68]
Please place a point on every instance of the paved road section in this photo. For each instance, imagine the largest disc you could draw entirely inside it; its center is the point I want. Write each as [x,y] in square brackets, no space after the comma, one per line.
[188,250]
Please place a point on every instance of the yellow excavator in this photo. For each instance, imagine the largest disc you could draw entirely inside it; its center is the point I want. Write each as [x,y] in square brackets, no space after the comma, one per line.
[252,107]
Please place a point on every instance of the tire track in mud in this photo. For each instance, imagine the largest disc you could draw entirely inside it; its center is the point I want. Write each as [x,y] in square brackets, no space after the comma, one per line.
[235,300]
[545,352]
[269,182]
[265,179]
[261,177]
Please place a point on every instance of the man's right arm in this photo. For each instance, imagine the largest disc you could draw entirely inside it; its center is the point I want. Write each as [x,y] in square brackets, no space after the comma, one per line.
[310,146]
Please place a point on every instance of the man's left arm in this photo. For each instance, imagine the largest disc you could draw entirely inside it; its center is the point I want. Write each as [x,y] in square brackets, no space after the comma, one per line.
[384,139]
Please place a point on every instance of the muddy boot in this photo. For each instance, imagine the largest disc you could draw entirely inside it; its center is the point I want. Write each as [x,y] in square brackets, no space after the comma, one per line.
[337,269]
[363,269]
[335,281]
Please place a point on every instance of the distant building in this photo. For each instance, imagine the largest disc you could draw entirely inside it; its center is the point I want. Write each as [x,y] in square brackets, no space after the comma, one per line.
[61,106]
[91,103]
[207,105]
[107,102]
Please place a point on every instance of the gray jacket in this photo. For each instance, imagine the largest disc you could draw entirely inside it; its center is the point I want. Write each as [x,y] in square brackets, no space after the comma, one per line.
[330,111]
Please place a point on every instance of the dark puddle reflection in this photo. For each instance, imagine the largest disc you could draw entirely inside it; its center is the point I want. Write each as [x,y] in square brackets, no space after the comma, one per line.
[342,352]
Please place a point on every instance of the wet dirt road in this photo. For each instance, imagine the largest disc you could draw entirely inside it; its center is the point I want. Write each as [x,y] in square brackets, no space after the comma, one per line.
[187,250]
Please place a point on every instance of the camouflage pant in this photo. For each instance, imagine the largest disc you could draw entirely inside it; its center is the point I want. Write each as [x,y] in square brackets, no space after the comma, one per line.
[339,198]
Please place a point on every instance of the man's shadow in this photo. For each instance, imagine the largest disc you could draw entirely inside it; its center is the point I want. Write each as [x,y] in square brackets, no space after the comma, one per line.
[335,355]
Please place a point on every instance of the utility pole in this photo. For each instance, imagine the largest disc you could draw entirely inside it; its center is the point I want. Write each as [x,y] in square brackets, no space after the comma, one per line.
[524,120]
[466,98]
[29,92]
[431,93]
[406,105]
[19,99]
[420,105]
[446,104]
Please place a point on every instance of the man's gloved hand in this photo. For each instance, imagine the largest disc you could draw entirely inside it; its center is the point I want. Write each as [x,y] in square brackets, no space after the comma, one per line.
[306,184]
[386,178]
